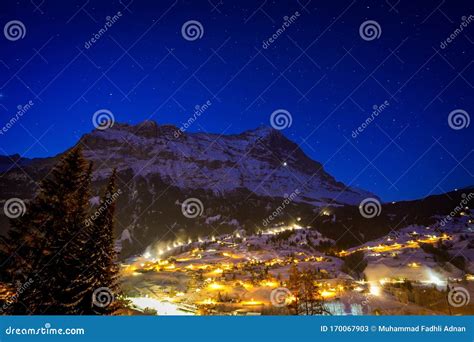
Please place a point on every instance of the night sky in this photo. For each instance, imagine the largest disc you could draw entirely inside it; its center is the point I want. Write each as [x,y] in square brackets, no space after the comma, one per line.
[319,69]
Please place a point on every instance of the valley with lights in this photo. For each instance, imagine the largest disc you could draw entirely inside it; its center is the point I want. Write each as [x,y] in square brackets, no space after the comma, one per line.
[239,274]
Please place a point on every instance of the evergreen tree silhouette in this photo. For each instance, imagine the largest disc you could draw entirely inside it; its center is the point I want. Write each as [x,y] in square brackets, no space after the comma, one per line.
[58,248]
[105,268]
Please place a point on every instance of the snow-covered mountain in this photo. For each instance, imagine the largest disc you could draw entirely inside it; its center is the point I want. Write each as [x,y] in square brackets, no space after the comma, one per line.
[240,179]
[262,161]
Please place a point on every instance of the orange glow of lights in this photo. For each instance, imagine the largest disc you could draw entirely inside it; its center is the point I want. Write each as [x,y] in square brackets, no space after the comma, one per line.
[252,302]
[327,293]
[269,283]
[218,271]
[216,286]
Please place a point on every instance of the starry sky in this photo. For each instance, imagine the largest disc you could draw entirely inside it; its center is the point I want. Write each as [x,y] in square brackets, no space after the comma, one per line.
[319,69]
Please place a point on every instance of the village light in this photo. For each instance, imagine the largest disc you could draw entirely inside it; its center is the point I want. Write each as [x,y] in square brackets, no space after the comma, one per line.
[269,283]
[218,271]
[328,294]
[207,301]
[375,290]
[252,302]
[216,286]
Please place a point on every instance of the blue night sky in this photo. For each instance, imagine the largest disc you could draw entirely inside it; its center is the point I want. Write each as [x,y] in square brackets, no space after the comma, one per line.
[319,69]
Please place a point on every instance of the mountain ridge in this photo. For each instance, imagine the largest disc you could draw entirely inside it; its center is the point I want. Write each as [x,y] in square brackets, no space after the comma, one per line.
[221,162]
[240,179]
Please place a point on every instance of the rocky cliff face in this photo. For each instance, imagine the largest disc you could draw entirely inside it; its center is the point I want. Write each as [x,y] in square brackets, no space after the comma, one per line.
[261,161]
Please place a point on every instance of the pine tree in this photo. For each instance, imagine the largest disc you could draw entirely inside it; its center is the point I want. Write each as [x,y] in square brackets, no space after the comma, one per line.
[51,243]
[84,255]
[64,198]
[106,269]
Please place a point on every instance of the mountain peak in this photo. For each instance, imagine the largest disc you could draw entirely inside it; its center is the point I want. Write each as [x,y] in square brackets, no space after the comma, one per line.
[148,123]
[262,131]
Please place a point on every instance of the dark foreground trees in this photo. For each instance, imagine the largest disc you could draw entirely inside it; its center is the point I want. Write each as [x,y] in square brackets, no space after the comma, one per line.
[62,247]
[306,297]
